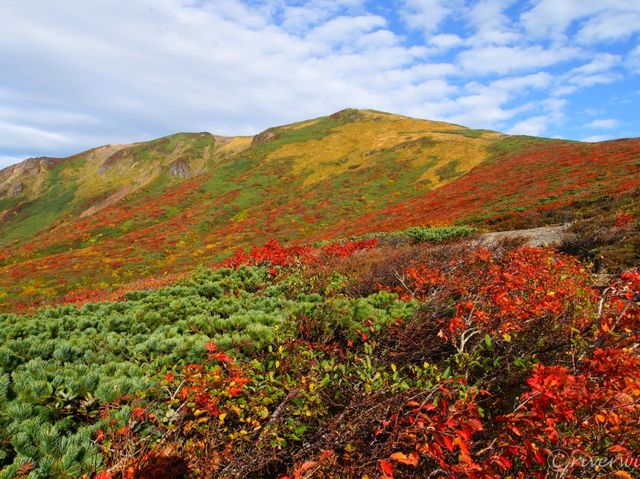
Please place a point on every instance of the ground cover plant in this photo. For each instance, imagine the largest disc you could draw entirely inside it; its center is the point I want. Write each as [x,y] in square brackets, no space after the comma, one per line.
[118,214]
[353,359]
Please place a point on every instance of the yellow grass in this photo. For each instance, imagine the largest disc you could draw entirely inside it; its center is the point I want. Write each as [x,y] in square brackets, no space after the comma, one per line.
[350,147]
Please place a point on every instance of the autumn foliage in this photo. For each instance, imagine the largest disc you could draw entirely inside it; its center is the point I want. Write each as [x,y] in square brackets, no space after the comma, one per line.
[518,368]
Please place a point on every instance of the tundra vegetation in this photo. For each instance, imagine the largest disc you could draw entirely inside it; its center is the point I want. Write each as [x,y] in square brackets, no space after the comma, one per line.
[320,301]
[350,359]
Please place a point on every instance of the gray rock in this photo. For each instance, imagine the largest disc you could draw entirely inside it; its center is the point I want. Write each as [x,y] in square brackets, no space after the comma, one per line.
[263,137]
[180,169]
[15,190]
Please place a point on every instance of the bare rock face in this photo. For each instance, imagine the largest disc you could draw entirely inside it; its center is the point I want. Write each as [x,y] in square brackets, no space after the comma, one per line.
[15,190]
[267,135]
[180,169]
[222,140]
[111,161]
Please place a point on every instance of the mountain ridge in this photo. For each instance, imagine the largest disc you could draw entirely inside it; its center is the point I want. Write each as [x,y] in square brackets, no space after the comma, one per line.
[118,213]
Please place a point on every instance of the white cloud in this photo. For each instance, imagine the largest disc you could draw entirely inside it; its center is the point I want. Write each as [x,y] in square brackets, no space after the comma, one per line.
[598,71]
[300,18]
[15,136]
[604,124]
[610,27]
[535,80]
[427,15]
[445,41]
[534,126]
[344,29]
[491,24]
[632,61]
[596,138]
[553,17]
[503,59]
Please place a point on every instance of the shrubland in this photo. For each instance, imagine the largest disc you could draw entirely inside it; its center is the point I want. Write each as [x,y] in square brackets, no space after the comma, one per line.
[119,214]
[361,359]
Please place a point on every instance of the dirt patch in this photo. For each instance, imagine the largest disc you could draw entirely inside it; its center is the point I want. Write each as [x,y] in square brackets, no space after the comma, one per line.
[108,201]
[546,235]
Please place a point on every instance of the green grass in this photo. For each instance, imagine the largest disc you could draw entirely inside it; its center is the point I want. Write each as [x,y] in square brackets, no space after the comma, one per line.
[44,211]
[448,170]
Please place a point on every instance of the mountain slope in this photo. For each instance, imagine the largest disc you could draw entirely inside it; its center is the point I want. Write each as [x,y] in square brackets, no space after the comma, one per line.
[120,213]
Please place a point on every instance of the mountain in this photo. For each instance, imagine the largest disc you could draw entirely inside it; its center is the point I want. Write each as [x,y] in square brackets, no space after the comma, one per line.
[334,334]
[119,213]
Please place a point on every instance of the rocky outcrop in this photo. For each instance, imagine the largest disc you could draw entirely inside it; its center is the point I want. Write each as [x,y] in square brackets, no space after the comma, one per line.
[180,169]
[267,135]
[111,161]
[348,114]
[15,189]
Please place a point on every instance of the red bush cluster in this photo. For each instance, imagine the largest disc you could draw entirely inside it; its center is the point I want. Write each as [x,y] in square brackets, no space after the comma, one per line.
[533,177]
[275,254]
[587,411]
[500,294]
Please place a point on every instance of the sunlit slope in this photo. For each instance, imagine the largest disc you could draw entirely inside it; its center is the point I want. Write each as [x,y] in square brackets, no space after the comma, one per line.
[121,212]
[524,178]
[51,192]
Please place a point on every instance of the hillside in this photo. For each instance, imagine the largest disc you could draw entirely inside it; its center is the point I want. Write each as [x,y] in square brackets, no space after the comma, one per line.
[419,354]
[120,213]
[277,307]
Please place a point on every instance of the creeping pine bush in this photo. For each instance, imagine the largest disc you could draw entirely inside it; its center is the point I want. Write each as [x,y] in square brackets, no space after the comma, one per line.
[421,234]
[61,369]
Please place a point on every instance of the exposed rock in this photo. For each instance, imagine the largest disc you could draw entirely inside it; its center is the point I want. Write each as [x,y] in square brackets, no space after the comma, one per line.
[111,161]
[222,140]
[348,114]
[267,135]
[180,169]
[545,235]
[15,190]
[106,201]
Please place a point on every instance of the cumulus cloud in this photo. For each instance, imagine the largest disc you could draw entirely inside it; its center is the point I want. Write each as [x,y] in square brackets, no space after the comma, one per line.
[534,126]
[554,17]
[610,27]
[427,15]
[492,25]
[633,60]
[445,41]
[507,59]
[604,124]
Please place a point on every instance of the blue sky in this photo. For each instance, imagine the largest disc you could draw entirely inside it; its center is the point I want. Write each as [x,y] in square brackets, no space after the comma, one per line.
[76,74]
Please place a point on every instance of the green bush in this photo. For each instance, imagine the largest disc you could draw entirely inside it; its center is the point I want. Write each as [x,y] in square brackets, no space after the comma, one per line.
[60,366]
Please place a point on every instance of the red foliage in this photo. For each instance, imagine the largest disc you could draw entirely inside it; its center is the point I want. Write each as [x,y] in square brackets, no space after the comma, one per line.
[274,254]
[442,430]
[84,296]
[623,219]
[594,412]
[206,391]
[512,182]
[500,294]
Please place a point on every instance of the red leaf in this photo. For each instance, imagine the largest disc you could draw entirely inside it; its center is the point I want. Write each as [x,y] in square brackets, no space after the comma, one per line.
[448,442]
[386,467]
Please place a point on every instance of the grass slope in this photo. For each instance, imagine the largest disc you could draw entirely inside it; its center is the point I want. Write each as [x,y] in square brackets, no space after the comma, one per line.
[113,215]
[116,214]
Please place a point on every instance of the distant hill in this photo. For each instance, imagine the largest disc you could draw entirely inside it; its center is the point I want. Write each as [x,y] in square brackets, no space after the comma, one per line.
[119,213]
